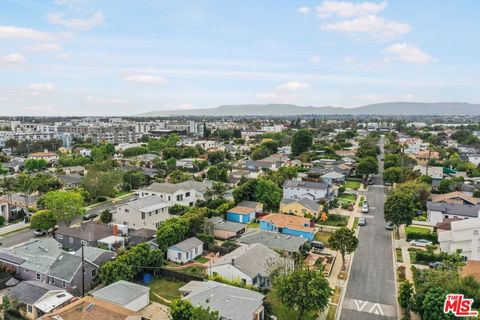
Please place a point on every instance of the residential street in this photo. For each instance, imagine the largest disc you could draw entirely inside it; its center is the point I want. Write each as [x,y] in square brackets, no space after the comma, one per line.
[371,286]
[18,237]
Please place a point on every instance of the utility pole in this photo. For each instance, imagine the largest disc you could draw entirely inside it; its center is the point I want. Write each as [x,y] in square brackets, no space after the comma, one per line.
[83,273]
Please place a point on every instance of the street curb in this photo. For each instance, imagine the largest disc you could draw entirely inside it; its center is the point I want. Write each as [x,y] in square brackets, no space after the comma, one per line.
[394,256]
[15,230]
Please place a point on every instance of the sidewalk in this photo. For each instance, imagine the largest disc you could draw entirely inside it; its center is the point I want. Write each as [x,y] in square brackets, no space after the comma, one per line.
[13,227]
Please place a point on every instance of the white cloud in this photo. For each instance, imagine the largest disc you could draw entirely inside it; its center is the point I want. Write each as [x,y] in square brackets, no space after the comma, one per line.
[97,100]
[12,59]
[145,78]
[316,59]
[64,56]
[44,47]
[42,86]
[370,25]
[348,9]
[409,53]
[294,86]
[303,10]
[77,24]
[24,33]
[67,2]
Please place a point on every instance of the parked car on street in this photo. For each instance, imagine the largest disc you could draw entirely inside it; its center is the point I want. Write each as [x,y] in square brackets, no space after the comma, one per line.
[90,216]
[40,232]
[365,208]
[362,221]
[421,243]
[389,226]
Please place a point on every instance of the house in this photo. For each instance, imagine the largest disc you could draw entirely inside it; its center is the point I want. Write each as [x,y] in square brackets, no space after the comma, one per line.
[463,235]
[436,173]
[37,298]
[474,158]
[288,224]
[45,155]
[44,260]
[274,240]
[261,164]
[230,302]
[146,212]
[88,234]
[74,169]
[455,197]
[241,214]
[184,193]
[249,264]
[14,165]
[85,152]
[188,163]
[333,177]
[185,251]
[4,209]
[96,256]
[293,189]
[258,206]
[126,294]
[225,230]
[70,181]
[89,308]
[438,211]
[302,207]
[141,235]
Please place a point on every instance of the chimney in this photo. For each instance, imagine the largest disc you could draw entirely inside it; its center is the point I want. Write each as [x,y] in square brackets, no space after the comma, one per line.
[474,255]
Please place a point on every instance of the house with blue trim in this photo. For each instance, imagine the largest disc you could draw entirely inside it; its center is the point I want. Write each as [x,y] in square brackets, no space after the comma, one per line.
[288,224]
[241,214]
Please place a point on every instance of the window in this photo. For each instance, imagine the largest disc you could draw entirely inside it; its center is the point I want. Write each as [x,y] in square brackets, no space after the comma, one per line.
[38,276]
[169,198]
[127,210]
[64,284]
[53,280]
[157,225]
[143,215]
[29,308]
[196,250]
[187,194]
[59,236]
[71,240]
[179,255]
[85,243]
[180,197]
[149,214]
[94,273]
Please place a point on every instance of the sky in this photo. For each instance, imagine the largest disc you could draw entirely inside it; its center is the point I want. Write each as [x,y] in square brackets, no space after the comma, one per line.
[123,57]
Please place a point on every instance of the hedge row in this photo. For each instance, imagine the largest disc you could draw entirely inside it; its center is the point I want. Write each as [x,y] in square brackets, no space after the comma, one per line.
[412,235]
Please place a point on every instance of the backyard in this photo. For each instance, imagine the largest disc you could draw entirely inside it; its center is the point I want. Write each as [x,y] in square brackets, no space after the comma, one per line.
[323,237]
[282,312]
[346,198]
[166,288]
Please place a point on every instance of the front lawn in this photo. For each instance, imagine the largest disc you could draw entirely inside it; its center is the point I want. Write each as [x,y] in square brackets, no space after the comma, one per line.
[253,225]
[323,237]
[167,288]
[334,220]
[201,259]
[352,184]
[284,313]
[412,229]
[347,198]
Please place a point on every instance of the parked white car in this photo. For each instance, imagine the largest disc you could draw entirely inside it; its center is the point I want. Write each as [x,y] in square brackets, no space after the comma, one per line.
[365,208]
[421,243]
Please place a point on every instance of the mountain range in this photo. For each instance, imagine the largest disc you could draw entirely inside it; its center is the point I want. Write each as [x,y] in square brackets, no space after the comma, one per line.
[387,109]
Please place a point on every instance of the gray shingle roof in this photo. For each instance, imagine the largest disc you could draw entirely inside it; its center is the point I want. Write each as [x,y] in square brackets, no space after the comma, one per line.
[220,224]
[306,202]
[252,259]
[455,208]
[65,266]
[187,244]
[29,292]
[121,292]
[273,240]
[305,184]
[90,231]
[174,187]
[230,302]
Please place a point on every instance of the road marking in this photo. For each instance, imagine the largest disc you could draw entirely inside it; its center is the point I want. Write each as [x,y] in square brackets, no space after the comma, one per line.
[358,302]
[376,309]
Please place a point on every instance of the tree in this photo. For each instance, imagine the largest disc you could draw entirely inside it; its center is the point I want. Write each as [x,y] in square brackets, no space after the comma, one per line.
[64,205]
[216,157]
[343,240]
[367,165]
[399,208]
[405,297]
[393,175]
[114,271]
[181,309]
[301,141]
[35,164]
[102,180]
[106,216]
[268,193]
[217,174]
[43,220]
[245,191]
[178,176]
[172,231]
[133,179]
[433,305]
[303,289]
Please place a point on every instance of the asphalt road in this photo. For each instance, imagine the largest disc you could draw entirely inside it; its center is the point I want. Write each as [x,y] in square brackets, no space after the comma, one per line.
[18,237]
[371,287]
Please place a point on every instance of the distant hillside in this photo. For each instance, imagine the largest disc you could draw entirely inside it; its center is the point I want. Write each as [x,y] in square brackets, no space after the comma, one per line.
[390,108]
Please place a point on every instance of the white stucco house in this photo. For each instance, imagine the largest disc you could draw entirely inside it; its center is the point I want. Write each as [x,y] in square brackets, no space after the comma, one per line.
[438,211]
[185,251]
[293,189]
[144,213]
[184,193]
[463,235]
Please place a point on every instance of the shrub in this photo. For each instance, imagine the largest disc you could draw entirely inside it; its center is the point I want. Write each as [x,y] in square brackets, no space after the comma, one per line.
[401,273]
[205,237]
[413,235]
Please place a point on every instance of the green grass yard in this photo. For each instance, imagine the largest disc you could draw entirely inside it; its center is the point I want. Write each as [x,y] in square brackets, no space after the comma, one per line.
[351,184]
[167,288]
[347,198]
[323,237]
[417,230]
[201,259]
[284,313]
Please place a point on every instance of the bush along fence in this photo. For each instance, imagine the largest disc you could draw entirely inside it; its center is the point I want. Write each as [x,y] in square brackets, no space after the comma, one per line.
[412,235]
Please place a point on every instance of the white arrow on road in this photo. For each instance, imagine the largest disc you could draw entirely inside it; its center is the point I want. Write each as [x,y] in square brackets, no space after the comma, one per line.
[376,309]
[360,304]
